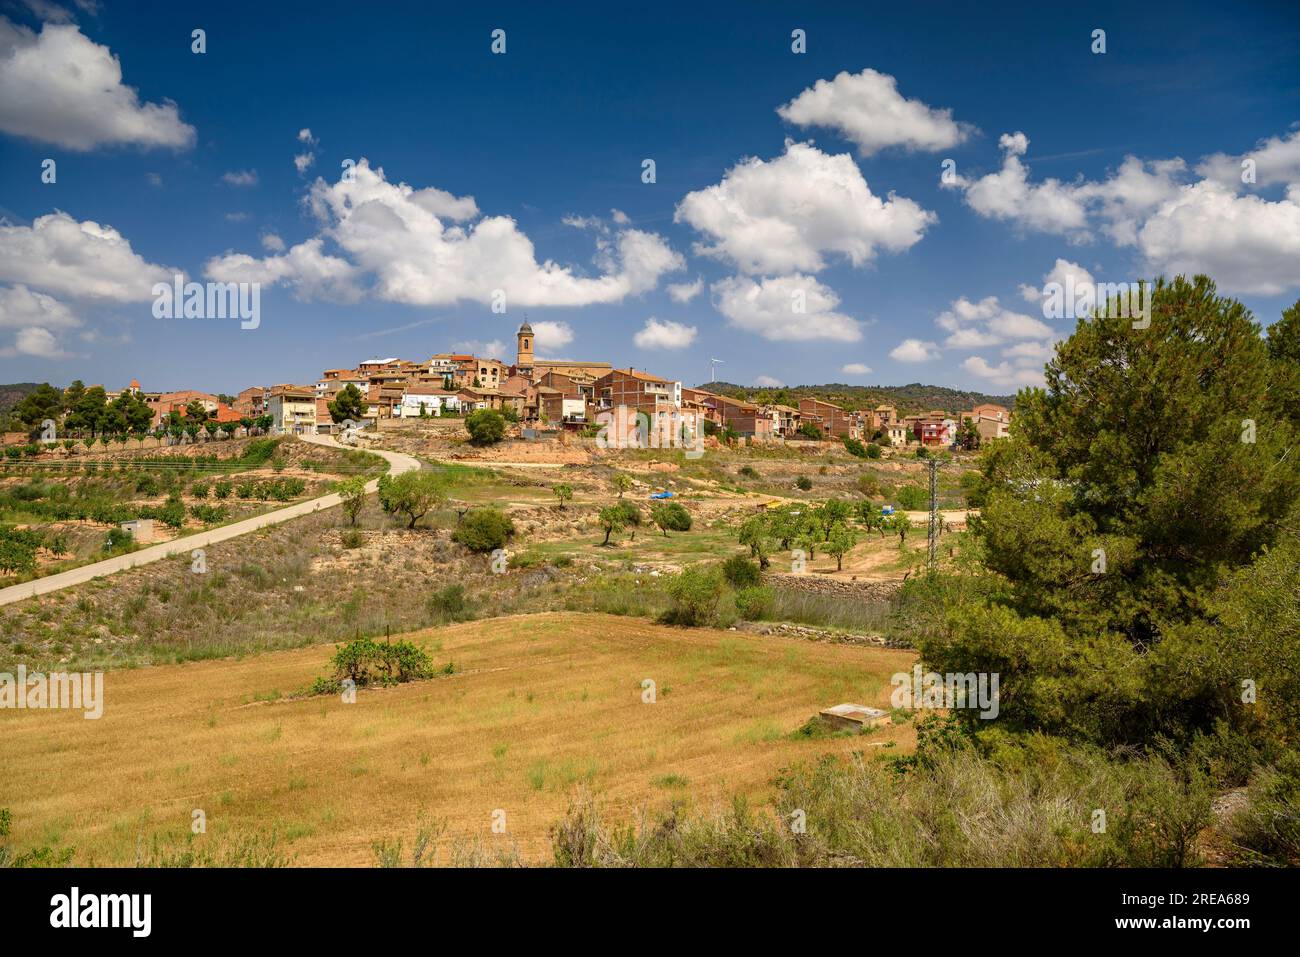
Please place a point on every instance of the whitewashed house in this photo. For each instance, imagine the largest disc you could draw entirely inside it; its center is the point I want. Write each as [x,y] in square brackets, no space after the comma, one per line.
[432,400]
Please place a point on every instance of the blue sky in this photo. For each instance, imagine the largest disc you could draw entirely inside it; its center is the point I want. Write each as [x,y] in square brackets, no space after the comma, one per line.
[840,199]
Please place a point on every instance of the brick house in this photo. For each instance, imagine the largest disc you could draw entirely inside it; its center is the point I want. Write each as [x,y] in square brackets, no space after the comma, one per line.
[991,421]
[835,422]
[745,418]
[252,401]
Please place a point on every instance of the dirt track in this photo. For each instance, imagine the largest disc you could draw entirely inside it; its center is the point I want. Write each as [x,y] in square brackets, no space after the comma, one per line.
[398,463]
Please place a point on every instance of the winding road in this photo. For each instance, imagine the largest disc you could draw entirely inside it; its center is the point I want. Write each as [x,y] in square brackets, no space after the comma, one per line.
[397,464]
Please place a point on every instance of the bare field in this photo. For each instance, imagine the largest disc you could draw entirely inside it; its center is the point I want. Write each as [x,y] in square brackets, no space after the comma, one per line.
[537,705]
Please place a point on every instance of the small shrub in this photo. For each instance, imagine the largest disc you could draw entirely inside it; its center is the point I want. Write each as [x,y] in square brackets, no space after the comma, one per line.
[449,604]
[209,514]
[119,539]
[912,498]
[695,592]
[172,514]
[740,572]
[372,663]
[803,483]
[754,604]
[1267,830]
[485,426]
[484,530]
[352,538]
[671,517]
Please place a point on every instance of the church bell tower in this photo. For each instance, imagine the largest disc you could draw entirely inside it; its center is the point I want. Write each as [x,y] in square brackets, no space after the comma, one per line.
[524,357]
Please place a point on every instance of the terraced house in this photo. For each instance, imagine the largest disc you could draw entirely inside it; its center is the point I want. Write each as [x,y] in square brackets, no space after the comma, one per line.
[835,422]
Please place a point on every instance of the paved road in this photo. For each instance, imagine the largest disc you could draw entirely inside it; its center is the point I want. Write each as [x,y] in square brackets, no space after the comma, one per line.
[397,464]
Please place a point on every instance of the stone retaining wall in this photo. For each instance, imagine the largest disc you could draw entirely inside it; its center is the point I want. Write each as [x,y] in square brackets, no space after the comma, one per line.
[865,590]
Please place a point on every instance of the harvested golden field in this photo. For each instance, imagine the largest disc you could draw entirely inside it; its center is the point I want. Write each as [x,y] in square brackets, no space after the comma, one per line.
[537,705]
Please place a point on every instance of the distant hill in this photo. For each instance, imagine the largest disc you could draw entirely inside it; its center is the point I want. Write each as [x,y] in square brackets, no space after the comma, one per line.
[11,395]
[908,399]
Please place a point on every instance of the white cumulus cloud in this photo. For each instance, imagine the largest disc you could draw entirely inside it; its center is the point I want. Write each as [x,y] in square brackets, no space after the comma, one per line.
[664,334]
[306,268]
[790,213]
[868,109]
[1005,375]
[60,87]
[82,260]
[1245,243]
[784,309]
[914,350]
[1277,160]
[428,247]
[549,336]
[684,292]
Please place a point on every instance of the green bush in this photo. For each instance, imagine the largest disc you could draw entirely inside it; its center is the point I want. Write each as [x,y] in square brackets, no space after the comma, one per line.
[803,483]
[119,539]
[18,550]
[222,489]
[373,663]
[912,498]
[749,472]
[1267,831]
[695,592]
[740,572]
[671,517]
[484,530]
[485,426]
[209,514]
[754,604]
[449,604]
[631,515]
[352,538]
[172,514]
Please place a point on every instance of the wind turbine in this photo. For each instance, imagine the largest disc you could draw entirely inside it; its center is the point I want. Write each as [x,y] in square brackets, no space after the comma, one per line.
[713,368]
